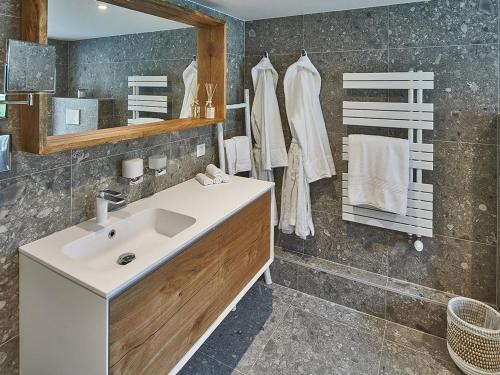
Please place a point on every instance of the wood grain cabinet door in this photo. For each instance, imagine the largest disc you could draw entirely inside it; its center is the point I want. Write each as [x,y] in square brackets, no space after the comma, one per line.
[156,321]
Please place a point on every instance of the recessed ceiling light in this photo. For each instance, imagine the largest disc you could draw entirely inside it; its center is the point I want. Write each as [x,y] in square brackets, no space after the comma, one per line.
[102,6]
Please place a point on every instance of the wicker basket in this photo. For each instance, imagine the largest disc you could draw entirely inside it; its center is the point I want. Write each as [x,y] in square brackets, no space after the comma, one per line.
[474,336]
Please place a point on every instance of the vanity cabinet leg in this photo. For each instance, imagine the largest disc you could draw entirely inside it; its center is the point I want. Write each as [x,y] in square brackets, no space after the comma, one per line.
[267,277]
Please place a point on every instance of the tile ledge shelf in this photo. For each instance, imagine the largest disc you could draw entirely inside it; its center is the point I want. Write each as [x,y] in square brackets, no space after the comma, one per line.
[367,277]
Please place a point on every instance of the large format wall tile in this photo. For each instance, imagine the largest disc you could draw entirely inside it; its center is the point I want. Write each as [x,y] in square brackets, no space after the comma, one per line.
[331,67]
[9,29]
[356,295]
[464,179]
[9,296]
[416,313]
[276,36]
[356,245]
[443,22]
[465,97]
[33,206]
[10,7]
[439,265]
[348,30]
[9,357]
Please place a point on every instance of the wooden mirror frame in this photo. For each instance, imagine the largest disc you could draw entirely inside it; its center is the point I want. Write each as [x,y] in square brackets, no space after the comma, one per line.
[212,62]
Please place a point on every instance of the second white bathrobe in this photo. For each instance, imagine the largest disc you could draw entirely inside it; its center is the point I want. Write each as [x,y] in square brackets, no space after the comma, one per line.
[269,150]
[309,157]
[190,77]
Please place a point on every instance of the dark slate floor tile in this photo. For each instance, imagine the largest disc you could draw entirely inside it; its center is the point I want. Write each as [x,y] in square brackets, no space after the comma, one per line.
[9,296]
[398,359]
[416,313]
[241,337]
[33,206]
[200,364]
[465,97]
[348,30]
[9,357]
[348,243]
[443,22]
[443,258]
[307,344]
[356,295]
[418,341]
[339,314]
[465,194]
[276,36]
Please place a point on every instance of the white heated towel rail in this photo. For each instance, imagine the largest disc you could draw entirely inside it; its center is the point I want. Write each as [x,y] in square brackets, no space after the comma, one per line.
[138,102]
[414,116]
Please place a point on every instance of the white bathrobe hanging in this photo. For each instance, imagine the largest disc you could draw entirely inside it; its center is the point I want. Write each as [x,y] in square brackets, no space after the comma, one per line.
[190,77]
[269,150]
[309,157]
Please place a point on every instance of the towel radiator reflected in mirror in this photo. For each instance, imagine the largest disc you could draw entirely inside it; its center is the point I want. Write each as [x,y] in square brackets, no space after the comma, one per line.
[415,117]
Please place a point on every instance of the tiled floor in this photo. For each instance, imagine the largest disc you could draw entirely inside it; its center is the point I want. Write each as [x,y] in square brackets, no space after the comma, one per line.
[276,330]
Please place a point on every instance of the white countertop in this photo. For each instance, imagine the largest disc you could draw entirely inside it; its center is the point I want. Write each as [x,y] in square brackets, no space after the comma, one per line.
[209,205]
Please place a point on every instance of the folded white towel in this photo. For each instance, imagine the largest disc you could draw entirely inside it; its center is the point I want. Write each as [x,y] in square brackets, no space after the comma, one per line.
[243,154]
[379,172]
[212,170]
[204,179]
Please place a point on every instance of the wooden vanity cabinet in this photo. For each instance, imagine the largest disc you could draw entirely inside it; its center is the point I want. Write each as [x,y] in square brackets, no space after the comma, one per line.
[154,323]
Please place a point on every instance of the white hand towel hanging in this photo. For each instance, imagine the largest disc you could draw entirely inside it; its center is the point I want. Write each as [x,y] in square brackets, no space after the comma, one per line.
[190,77]
[310,157]
[378,172]
[269,149]
[238,154]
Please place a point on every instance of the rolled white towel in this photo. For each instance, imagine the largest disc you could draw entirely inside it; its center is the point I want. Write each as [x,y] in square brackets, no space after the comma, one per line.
[217,180]
[213,171]
[225,178]
[204,179]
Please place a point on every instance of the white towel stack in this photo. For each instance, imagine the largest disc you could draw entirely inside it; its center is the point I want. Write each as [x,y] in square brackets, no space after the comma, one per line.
[379,172]
[238,154]
[212,176]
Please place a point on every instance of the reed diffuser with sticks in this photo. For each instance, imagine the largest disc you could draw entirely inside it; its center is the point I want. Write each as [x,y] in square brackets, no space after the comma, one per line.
[209,108]
[195,106]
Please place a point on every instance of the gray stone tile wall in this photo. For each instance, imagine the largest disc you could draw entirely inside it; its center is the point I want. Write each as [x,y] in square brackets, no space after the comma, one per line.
[44,194]
[459,42]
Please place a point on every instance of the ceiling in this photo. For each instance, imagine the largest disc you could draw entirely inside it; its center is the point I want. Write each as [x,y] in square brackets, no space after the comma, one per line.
[248,10]
[81,19]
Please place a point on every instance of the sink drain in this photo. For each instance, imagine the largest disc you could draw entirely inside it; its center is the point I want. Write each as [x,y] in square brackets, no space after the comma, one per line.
[125,258]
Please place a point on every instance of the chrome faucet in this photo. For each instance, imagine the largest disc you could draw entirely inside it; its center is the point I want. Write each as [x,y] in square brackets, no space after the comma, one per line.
[103,200]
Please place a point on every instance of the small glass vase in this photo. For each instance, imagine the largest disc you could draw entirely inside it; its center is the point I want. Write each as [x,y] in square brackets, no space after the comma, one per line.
[209,110]
[195,110]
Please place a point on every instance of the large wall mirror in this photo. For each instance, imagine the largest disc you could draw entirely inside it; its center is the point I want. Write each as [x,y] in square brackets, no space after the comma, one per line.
[124,69]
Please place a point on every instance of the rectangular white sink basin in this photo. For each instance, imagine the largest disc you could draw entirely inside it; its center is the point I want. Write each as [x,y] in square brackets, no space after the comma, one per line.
[138,234]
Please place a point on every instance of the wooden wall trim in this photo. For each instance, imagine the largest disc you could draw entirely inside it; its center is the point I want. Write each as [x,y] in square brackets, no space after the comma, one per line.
[212,60]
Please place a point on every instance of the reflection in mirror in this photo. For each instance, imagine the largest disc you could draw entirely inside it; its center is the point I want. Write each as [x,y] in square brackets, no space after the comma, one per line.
[3,107]
[117,67]
[30,67]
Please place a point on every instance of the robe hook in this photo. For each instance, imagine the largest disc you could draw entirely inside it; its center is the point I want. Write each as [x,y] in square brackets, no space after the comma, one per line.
[194,57]
[266,54]
[303,52]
